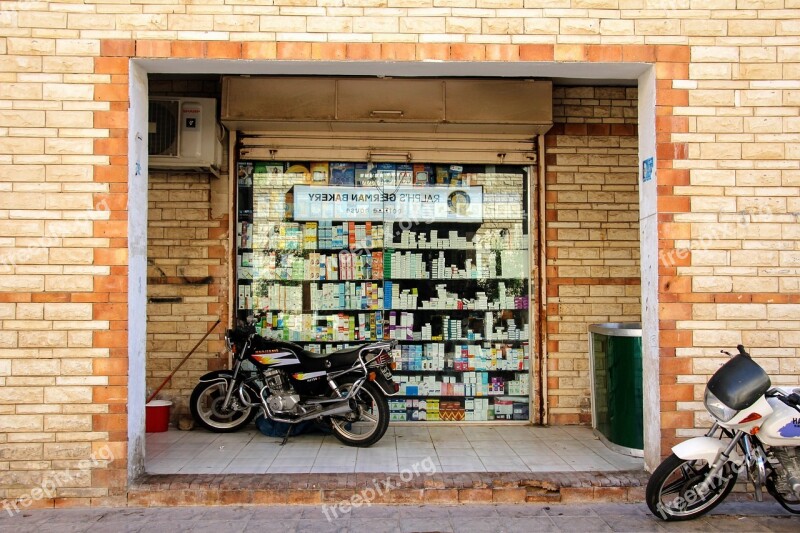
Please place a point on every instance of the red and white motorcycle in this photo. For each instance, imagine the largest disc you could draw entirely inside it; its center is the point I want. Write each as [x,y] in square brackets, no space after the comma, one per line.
[756,431]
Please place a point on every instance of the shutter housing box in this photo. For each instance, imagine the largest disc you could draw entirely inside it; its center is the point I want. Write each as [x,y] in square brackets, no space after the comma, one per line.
[373,119]
[354,104]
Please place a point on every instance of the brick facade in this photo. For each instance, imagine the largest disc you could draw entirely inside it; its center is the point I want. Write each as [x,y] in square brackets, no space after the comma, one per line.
[727,123]
[188,259]
[592,233]
[187,283]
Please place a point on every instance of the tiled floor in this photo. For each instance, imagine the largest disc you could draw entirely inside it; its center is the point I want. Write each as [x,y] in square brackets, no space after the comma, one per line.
[448,449]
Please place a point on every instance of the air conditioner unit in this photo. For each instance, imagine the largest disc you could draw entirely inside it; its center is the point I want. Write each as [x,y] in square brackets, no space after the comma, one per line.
[183,134]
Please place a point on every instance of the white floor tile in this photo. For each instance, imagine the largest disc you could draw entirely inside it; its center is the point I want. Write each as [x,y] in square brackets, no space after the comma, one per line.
[418,466]
[464,468]
[552,468]
[244,470]
[449,461]
[335,461]
[462,449]
[377,469]
[295,462]
[282,469]
[332,469]
[547,465]
[466,453]
[452,445]
[494,450]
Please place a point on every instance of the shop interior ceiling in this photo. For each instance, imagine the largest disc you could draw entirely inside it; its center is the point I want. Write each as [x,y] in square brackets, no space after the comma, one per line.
[378,119]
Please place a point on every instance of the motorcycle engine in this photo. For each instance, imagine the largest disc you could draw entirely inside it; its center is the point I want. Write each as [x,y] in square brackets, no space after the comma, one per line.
[789,480]
[282,398]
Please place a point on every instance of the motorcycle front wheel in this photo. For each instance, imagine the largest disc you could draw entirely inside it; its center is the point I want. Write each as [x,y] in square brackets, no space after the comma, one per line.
[372,418]
[206,407]
[680,489]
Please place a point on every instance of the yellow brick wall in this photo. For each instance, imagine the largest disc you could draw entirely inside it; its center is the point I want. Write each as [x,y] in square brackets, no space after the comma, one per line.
[728,125]
[187,260]
[187,283]
[592,230]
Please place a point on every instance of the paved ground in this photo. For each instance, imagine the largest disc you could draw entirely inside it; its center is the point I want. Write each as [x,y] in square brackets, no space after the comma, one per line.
[730,516]
[447,449]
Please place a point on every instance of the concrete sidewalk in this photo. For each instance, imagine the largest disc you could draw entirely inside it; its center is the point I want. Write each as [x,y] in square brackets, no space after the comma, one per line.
[729,516]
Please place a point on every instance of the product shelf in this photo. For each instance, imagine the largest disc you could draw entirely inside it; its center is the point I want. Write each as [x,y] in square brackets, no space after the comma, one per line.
[476,254]
[455,396]
[451,372]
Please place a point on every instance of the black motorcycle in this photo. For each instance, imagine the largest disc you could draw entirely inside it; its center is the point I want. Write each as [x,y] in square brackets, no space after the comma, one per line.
[346,390]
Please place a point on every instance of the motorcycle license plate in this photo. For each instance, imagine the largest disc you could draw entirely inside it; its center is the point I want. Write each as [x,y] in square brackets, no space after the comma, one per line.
[386,372]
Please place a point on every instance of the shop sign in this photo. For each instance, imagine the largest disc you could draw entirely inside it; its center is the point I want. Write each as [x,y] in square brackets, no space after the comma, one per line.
[413,204]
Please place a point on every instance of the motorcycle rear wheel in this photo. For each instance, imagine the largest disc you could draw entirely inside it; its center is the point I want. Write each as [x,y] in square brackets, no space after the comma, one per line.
[206,407]
[676,489]
[373,419]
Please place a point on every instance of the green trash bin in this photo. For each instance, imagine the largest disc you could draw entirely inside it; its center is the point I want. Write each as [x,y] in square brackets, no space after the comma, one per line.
[616,372]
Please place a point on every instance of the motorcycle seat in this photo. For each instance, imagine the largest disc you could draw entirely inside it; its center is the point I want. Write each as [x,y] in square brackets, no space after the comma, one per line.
[338,359]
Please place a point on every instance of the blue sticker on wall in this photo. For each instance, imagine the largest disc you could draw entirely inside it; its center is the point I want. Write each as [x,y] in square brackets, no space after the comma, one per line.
[647,169]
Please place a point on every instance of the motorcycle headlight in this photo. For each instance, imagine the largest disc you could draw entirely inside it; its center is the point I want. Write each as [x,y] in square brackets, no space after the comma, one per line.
[717,408]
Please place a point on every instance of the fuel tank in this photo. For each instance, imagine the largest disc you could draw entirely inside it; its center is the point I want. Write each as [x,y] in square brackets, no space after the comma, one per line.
[268,353]
[782,427]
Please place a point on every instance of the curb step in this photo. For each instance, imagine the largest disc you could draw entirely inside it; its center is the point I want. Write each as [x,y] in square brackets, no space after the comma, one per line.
[377,488]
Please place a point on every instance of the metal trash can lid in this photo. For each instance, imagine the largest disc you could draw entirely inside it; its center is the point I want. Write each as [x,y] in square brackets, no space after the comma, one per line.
[617,329]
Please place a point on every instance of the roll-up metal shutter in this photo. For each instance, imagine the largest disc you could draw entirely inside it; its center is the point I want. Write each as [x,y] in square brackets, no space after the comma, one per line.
[388,147]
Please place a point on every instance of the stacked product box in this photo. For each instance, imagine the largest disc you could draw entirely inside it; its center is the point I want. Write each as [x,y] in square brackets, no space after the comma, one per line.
[435,356]
[282,297]
[312,327]
[519,386]
[401,325]
[510,332]
[310,236]
[433,409]
[451,411]
[511,408]
[419,357]
[403,299]
[355,265]
[503,409]
[497,386]
[490,240]
[407,265]
[487,357]
[521,410]
[397,410]
[416,410]
[348,295]
[348,235]
[476,409]
[278,236]
[245,297]
[485,266]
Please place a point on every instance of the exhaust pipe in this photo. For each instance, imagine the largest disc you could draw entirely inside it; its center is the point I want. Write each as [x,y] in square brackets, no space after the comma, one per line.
[340,408]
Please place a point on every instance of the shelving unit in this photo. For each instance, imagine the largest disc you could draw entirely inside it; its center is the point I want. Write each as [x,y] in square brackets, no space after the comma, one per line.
[454,293]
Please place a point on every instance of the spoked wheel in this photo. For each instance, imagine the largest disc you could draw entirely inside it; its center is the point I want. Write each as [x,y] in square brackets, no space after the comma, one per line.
[207,410]
[366,427]
[681,489]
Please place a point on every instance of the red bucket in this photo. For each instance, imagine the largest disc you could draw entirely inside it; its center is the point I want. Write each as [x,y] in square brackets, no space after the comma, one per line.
[156,418]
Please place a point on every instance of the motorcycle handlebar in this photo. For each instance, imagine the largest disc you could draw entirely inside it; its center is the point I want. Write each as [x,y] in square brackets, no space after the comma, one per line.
[739,347]
[742,351]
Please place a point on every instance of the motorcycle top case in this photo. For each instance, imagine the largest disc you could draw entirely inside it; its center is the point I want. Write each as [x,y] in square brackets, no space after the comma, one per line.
[739,383]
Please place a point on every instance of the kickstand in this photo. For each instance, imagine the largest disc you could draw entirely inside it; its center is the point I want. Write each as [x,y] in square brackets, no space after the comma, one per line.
[288,434]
